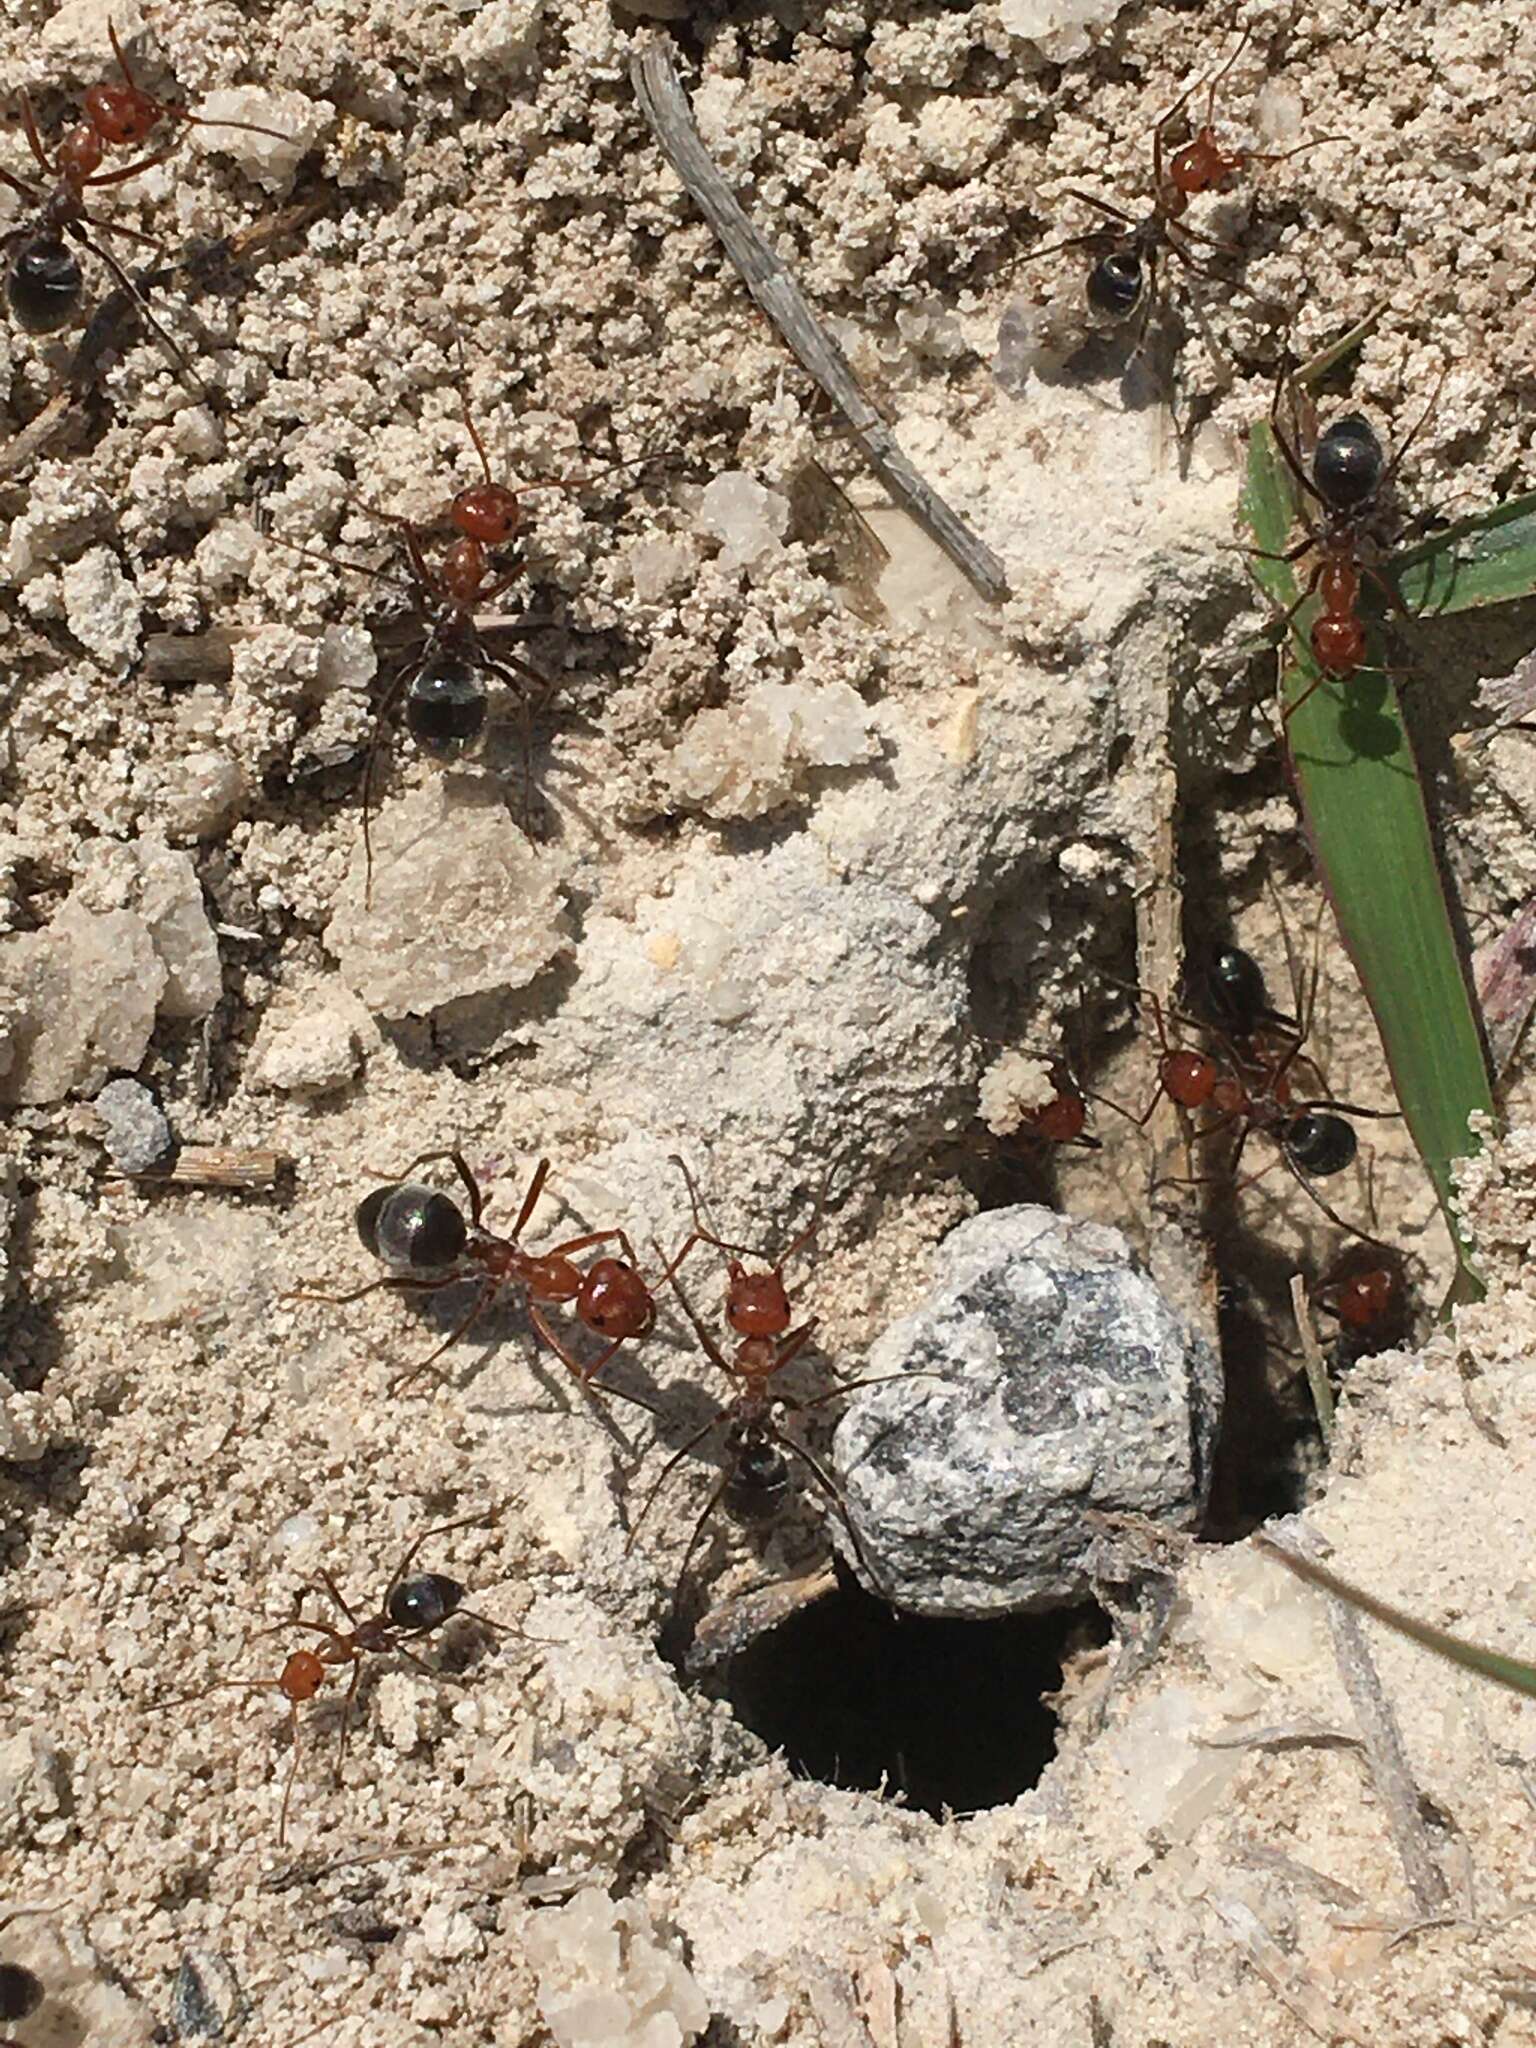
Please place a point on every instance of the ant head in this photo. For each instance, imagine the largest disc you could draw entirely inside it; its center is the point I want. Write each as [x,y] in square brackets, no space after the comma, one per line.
[408,1225]
[1319,1143]
[756,1304]
[615,1301]
[302,1676]
[121,113]
[487,512]
[43,286]
[1365,1298]
[424,1602]
[445,704]
[1348,465]
[1115,284]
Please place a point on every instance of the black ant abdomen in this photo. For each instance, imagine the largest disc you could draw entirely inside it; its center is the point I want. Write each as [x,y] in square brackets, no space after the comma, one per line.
[43,287]
[1320,1144]
[424,1603]
[1348,465]
[445,705]
[411,1225]
[759,1483]
[1233,993]
[1115,284]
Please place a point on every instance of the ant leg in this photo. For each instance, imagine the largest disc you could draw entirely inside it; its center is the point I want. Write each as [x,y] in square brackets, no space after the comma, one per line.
[716,1496]
[1308,1188]
[829,1487]
[330,561]
[293,1772]
[403,1283]
[123,172]
[346,1716]
[104,256]
[530,1200]
[476,1309]
[1415,430]
[585,1243]
[1101,206]
[28,192]
[471,1186]
[442,1529]
[34,139]
[381,716]
[542,1327]
[325,1581]
[665,1474]
[1292,459]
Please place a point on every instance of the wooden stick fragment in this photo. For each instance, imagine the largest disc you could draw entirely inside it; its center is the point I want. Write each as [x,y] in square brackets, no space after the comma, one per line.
[213,1166]
[665,106]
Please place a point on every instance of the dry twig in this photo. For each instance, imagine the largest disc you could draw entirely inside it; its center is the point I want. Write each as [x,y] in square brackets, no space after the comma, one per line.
[665,106]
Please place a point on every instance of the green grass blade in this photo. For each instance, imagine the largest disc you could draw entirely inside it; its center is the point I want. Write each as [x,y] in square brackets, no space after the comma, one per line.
[1510,1671]
[1489,559]
[1365,816]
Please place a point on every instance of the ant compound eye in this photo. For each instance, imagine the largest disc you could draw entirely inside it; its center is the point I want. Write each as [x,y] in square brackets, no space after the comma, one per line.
[1348,465]
[424,1602]
[1320,1144]
[1114,284]
[415,1226]
[44,286]
[445,705]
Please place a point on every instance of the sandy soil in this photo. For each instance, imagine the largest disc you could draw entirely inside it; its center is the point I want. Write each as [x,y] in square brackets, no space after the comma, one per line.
[809,838]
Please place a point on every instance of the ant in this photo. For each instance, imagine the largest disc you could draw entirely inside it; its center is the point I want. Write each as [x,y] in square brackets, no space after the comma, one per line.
[424,1231]
[43,282]
[1350,478]
[754,1484]
[442,687]
[408,1607]
[1249,1091]
[1126,274]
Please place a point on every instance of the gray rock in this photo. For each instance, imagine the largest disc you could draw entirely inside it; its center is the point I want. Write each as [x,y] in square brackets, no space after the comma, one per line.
[1064,1382]
[133,1126]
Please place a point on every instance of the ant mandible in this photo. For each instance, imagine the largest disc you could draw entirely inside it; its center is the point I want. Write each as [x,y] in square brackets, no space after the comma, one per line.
[1350,478]
[43,282]
[409,1607]
[1126,274]
[424,1232]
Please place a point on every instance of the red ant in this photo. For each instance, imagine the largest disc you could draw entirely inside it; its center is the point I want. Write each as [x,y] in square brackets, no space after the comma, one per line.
[43,283]
[1250,1091]
[1350,478]
[424,1231]
[1062,1119]
[408,1607]
[1126,275]
[754,1484]
[442,686]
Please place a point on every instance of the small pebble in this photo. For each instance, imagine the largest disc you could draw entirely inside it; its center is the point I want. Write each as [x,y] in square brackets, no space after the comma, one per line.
[134,1128]
[206,2000]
